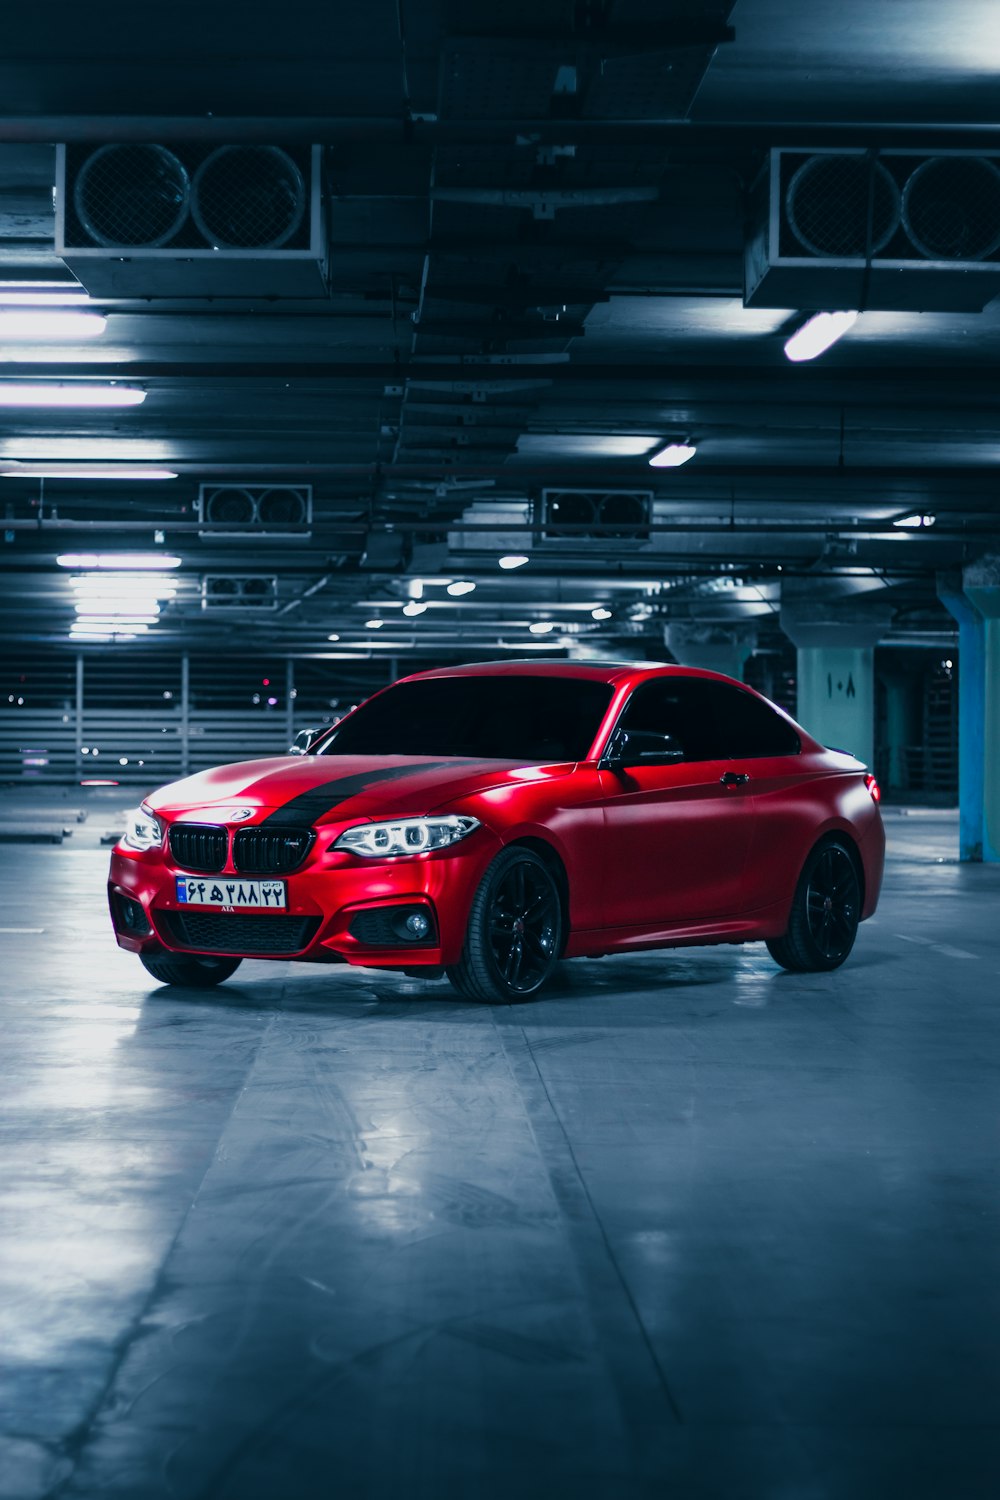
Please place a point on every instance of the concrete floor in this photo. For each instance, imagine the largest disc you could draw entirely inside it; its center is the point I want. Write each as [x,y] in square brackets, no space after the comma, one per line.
[684,1227]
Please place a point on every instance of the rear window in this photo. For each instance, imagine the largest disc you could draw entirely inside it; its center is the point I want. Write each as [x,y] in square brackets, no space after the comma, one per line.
[486,718]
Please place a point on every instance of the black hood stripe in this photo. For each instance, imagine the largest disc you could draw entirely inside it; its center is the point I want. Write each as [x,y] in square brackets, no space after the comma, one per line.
[305,809]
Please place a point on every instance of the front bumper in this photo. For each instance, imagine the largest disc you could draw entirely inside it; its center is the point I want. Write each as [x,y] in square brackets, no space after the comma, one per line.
[340,908]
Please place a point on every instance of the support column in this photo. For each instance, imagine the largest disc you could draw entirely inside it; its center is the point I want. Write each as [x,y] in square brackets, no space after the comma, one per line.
[971,714]
[289,700]
[715,648]
[835,645]
[981,582]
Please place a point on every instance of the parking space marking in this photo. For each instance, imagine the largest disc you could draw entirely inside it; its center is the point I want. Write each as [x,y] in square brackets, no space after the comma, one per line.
[942,948]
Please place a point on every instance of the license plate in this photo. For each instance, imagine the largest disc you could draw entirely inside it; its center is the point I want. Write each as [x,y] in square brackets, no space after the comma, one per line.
[231,895]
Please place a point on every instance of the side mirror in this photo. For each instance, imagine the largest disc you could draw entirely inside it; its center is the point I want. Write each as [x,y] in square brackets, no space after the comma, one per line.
[641,747]
[302,741]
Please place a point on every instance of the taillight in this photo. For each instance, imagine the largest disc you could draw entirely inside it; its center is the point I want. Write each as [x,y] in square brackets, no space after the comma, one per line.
[873,787]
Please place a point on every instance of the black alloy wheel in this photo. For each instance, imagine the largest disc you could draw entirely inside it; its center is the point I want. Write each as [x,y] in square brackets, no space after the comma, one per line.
[825,912]
[199,971]
[515,933]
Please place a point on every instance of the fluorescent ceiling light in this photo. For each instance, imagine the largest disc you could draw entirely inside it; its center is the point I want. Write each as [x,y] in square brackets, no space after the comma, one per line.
[374,624]
[42,294]
[512,560]
[672,455]
[49,323]
[83,471]
[86,627]
[460,587]
[112,560]
[44,393]
[817,335]
[112,618]
[542,627]
[414,608]
[915,522]
[600,613]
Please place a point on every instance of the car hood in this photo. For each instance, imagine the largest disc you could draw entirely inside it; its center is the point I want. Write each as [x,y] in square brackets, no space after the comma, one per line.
[302,791]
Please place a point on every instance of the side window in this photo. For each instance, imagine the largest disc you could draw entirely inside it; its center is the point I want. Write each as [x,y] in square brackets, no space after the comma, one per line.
[710,720]
[748,727]
[679,706]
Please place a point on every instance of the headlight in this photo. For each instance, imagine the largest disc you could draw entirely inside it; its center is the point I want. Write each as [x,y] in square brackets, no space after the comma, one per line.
[407,836]
[142,830]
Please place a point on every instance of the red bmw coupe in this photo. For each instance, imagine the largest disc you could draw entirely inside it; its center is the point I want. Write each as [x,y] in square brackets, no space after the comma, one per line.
[491,820]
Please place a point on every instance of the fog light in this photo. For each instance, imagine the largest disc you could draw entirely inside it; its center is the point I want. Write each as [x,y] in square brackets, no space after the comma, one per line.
[418,924]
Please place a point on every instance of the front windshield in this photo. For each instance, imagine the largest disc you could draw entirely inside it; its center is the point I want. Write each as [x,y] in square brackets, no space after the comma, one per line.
[486,718]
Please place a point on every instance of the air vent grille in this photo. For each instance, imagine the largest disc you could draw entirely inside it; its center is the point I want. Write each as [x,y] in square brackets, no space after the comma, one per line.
[578,515]
[233,591]
[248,509]
[896,229]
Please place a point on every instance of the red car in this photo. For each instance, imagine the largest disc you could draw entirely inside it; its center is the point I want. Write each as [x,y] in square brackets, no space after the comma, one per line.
[491,820]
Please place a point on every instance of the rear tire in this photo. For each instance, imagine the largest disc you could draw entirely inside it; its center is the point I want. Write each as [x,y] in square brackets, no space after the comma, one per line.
[515,932]
[198,972]
[826,910]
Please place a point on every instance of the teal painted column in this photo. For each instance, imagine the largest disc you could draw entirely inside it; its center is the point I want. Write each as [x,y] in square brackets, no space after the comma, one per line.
[971,714]
[836,672]
[981,582]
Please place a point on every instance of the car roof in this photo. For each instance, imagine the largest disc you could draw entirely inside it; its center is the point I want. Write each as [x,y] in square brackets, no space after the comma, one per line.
[591,671]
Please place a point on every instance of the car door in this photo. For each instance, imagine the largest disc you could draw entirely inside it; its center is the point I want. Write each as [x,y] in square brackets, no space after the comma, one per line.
[677,833]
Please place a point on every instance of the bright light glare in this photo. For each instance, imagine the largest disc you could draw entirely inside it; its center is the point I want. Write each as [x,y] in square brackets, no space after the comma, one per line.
[41,393]
[541,627]
[84,471]
[915,522]
[413,608]
[45,294]
[672,456]
[816,336]
[374,624]
[600,613]
[111,560]
[460,587]
[48,324]
[512,560]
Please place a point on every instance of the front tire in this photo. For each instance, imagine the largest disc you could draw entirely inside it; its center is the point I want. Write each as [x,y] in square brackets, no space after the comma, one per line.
[515,932]
[198,972]
[826,910]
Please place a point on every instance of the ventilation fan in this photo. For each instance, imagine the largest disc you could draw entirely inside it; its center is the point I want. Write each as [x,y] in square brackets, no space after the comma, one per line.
[226,592]
[254,510]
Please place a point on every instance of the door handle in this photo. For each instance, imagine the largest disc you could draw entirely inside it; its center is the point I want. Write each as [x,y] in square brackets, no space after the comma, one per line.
[734,778]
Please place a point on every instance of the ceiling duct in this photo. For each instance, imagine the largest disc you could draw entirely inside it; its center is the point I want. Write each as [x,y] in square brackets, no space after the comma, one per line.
[227,592]
[189,220]
[248,510]
[898,231]
[582,516]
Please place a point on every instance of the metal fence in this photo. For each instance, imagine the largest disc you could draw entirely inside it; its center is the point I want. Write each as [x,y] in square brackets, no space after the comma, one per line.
[148,720]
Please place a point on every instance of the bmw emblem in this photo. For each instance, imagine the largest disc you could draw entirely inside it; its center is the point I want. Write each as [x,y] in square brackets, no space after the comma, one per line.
[239,814]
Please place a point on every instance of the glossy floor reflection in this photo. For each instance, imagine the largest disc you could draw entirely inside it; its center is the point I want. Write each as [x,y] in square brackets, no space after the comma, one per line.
[684,1227]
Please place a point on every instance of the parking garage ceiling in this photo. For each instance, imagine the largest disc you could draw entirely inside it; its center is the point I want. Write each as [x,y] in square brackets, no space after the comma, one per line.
[414,287]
